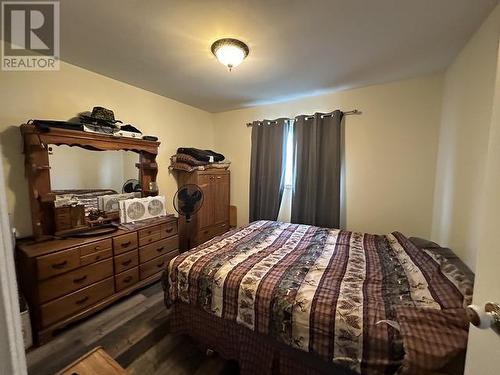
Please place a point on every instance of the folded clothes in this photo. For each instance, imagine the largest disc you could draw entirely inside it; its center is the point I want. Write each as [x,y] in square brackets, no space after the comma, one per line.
[220,165]
[174,165]
[185,167]
[188,159]
[207,156]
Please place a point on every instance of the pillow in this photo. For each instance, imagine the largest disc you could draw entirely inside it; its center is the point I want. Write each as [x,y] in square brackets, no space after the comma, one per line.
[422,243]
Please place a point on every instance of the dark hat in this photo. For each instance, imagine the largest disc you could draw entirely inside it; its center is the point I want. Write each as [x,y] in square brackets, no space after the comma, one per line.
[100,115]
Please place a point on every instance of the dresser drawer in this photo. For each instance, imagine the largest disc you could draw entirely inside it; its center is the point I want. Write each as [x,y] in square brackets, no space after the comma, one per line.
[95,246]
[126,279]
[126,261]
[57,263]
[95,257]
[156,265]
[168,229]
[69,282]
[158,248]
[60,308]
[143,233]
[155,236]
[124,243]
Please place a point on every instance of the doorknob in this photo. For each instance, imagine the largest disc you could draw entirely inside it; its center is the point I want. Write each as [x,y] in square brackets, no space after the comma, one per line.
[484,318]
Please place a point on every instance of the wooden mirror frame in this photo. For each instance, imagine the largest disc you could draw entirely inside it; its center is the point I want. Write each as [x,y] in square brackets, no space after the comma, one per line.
[37,168]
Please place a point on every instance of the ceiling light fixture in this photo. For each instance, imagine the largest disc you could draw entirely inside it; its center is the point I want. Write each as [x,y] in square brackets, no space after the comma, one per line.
[230,52]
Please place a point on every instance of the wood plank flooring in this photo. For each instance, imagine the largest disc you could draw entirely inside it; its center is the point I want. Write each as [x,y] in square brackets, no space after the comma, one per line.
[135,332]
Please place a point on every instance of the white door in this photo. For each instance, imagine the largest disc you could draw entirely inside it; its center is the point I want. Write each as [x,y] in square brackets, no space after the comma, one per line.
[483,354]
[12,358]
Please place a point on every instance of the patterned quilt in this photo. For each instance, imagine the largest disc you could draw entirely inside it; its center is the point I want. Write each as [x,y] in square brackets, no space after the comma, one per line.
[339,295]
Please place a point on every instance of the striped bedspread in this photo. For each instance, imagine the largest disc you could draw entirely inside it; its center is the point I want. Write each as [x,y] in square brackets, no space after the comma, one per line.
[337,294]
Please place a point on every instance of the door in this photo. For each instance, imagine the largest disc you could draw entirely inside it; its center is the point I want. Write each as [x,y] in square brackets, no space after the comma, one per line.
[206,213]
[221,198]
[12,355]
[483,352]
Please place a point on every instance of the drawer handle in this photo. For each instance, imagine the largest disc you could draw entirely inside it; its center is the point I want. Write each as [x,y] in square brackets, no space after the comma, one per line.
[127,279]
[97,257]
[127,244]
[205,231]
[219,177]
[83,300]
[97,247]
[80,279]
[58,266]
[169,230]
[127,262]
[161,264]
[160,249]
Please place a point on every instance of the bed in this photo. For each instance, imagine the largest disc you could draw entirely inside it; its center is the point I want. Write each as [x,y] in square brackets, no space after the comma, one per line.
[288,298]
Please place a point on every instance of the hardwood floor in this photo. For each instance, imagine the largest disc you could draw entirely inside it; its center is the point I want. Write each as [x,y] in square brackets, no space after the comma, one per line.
[135,332]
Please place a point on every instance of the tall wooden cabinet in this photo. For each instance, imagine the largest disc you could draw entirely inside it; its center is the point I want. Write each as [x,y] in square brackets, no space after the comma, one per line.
[213,217]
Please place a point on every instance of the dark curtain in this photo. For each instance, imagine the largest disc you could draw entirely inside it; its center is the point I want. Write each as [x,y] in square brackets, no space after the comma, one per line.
[267,168]
[317,150]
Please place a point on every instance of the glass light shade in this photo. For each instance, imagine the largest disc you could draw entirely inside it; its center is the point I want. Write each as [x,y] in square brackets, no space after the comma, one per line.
[230,52]
[230,56]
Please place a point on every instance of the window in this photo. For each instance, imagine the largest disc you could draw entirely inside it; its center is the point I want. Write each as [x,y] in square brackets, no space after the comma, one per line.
[286,202]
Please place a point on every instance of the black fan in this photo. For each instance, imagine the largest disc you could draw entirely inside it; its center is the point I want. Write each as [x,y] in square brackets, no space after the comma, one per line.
[131,186]
[188,200]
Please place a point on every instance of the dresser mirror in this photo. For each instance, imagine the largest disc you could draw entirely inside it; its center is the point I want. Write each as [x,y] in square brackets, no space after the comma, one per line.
[86,184]
[75,168]
[61,163]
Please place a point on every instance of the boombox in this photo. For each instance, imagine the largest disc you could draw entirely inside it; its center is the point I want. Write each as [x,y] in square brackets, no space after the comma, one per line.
[137,209]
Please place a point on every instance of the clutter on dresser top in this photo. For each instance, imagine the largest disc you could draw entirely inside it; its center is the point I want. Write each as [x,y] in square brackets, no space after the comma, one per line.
[191,159]
[98,121]
[80,209]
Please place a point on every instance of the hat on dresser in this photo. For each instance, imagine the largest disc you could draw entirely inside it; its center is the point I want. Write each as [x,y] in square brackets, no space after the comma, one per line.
[100,116]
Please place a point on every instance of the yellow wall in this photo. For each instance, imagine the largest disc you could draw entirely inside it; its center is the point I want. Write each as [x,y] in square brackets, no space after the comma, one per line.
[390,151]
[463,142]
[61,95]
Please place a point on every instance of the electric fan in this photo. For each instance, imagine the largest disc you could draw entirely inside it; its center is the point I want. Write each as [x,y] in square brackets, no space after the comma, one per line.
[131,186]
[188,200]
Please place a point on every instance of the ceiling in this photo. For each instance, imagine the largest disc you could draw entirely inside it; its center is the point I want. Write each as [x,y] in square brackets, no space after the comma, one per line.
[297,47]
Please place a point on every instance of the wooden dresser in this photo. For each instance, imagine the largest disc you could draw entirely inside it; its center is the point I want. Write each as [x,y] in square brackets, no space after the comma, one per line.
[67,279]
[213,218]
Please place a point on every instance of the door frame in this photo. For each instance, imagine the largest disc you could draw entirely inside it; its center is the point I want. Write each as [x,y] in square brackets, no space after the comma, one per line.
[12,354]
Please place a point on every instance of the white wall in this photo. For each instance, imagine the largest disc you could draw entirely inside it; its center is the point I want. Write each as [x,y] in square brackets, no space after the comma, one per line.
[484,349]
[61,95]
[390,151]
[463,142]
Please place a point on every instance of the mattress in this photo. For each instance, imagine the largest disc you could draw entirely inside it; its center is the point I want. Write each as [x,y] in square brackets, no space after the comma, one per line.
[368,303]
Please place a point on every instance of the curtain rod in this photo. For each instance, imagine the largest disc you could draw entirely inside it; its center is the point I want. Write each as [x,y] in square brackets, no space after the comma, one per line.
[346,113]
